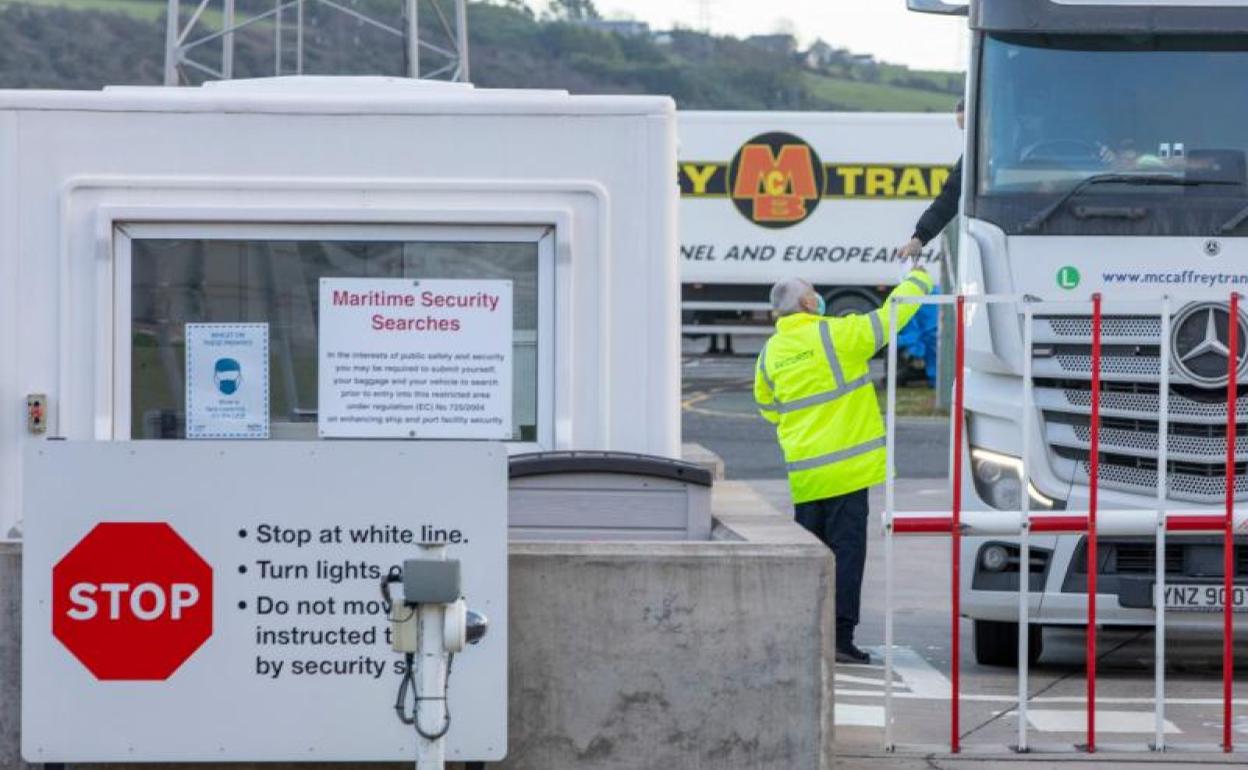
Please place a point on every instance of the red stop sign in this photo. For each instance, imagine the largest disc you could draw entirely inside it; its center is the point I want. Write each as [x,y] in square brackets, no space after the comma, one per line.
[132,601]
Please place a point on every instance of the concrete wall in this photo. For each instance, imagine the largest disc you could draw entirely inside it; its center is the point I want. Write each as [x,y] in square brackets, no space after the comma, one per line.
[10,656]
[708,655]
[636,655]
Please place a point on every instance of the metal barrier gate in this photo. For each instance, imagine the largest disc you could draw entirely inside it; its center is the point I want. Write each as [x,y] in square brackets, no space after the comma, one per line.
[1156,522]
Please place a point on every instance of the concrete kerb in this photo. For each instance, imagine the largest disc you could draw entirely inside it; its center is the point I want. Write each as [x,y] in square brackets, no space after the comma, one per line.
[10,655]
[628,655]
[711,654]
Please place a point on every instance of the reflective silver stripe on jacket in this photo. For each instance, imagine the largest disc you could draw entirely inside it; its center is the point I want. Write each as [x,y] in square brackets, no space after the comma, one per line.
[825,333]
[842,387]
[784,407]
[762,369]
[837,456]
[877,326]
[922,286]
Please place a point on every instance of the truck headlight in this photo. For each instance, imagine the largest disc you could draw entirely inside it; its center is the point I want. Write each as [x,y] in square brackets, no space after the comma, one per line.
[994,558]
[999,480]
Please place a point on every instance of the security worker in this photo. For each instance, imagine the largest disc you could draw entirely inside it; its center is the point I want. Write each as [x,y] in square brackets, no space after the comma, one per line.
[813,383]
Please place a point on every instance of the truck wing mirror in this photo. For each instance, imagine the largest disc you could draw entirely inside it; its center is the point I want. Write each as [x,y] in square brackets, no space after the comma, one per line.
[939,7]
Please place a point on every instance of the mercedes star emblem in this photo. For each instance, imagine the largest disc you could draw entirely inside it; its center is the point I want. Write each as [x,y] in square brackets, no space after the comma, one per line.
[1199,343]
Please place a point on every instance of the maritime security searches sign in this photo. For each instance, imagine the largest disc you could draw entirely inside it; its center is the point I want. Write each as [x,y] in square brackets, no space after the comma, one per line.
[407,358]
[214,601]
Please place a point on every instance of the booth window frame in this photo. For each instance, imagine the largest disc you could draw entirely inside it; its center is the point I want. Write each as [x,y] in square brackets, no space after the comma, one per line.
[543,236]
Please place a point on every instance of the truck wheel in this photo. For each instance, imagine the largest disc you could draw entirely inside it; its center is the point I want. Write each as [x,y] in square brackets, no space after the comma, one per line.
[996,643]
[846,303]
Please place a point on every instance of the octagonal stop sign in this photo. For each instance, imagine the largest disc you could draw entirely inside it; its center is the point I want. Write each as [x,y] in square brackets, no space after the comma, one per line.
[132,601]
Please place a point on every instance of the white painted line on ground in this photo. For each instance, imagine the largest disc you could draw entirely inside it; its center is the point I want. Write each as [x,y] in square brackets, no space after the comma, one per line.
[1073,699]
[864,680]
[1053,721]
[920,676]
[849,714]
[861,666]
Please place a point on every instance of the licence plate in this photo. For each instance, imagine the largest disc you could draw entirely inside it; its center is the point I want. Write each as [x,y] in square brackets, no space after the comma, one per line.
[1181,596]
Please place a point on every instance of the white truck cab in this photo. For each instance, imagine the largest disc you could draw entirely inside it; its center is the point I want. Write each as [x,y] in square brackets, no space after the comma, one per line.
[1105,153]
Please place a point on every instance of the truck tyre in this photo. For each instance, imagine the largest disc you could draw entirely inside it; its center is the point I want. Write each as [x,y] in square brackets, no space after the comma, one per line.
[845,303]
[996,643]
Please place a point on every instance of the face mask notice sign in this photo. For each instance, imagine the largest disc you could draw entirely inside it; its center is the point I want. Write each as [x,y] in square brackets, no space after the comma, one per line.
[227,380]
[415,358]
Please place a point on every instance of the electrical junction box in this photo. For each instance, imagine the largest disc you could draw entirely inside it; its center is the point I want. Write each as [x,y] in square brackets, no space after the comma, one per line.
[430,581]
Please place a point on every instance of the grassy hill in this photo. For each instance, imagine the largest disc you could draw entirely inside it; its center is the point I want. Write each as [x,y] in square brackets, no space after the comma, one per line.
[91,43]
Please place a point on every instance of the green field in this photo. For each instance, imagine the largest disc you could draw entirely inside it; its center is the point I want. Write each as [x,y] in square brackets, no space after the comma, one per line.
[148,10]
[92,43]
[879,97]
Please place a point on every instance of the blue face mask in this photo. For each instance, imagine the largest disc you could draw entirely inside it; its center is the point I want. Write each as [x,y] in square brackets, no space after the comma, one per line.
[823,306]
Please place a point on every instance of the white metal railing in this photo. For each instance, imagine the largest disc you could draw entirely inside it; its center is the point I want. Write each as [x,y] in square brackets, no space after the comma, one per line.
[1155,522]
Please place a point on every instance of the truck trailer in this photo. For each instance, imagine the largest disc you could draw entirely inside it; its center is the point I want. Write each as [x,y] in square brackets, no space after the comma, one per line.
[825,196]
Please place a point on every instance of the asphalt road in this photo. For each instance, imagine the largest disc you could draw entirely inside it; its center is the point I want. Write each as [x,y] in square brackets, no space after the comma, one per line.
[718,413]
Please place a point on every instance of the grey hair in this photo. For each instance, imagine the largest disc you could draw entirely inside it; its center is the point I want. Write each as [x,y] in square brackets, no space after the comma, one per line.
[786,296]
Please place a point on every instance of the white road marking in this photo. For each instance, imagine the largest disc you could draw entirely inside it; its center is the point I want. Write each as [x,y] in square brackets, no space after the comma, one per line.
[1053,721]
[925,682]
[920,676]
[864,666]
[850,714]
[1072,699]
[864,680]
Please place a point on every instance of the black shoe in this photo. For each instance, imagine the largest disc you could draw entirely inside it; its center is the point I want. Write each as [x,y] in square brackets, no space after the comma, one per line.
[851,654]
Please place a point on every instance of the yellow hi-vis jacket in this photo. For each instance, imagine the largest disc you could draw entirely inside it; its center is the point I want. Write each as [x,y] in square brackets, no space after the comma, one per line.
[812,382]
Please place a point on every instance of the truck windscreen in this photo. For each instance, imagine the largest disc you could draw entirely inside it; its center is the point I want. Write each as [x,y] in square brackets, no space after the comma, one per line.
[1055,110]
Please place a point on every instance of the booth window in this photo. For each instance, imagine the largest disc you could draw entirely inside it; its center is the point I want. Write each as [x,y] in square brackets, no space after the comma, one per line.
[174,281]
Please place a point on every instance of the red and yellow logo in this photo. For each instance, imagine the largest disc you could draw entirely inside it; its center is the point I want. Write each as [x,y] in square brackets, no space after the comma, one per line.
[776,180]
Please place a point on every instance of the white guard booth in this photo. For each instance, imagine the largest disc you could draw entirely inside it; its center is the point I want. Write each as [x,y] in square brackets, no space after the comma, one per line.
[129,213]
[248,264]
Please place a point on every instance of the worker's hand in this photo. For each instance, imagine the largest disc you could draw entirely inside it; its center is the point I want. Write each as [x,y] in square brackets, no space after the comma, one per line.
[912,250]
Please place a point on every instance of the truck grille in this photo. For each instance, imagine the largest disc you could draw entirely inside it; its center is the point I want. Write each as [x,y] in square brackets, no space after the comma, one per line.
[1191,557]
[1130,372]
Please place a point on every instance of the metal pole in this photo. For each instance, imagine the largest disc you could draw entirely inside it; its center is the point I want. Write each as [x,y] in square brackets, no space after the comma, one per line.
[227,42]
[956,549]
[172,48]
[461,34]
[1092,501]
[1024,547]
[430,707]
[299,38]
[1159,567]
[277,38]
[1228,540]
[413,40]
[890,415]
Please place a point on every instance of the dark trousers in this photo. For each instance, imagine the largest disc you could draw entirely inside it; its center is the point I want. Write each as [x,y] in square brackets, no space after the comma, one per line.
[841,523]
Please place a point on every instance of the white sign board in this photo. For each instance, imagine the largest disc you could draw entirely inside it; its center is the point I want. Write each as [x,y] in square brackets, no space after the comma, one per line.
[220,601]
[227,380]
[405,358]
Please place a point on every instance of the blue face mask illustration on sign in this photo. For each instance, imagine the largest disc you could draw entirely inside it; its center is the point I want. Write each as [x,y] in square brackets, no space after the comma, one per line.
[228,376]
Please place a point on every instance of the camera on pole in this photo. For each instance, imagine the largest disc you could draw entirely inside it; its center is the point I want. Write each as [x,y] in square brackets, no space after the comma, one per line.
[430,624]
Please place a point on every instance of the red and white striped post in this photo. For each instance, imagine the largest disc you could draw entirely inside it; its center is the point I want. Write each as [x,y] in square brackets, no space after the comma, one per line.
[1094,481]
[959,360]
[1228,540]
